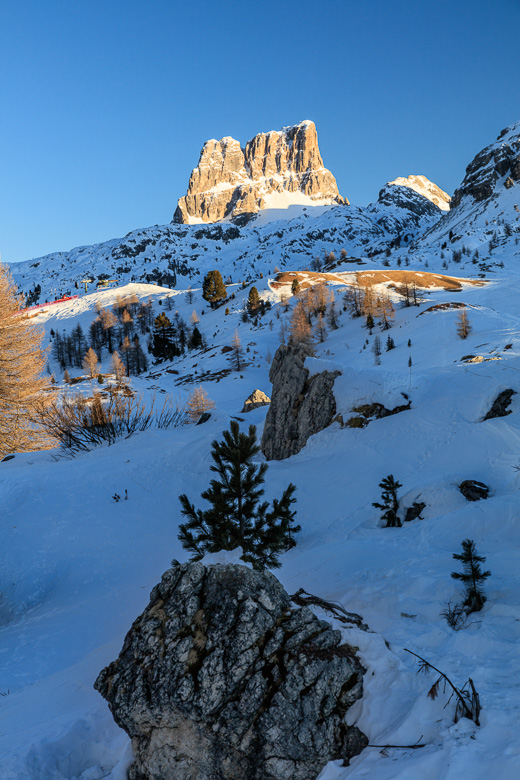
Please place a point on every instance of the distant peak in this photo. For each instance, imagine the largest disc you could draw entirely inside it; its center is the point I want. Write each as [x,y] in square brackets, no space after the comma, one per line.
[230,181]
[422,185]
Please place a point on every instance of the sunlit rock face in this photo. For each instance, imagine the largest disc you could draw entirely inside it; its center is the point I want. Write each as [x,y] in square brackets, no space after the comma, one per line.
[497,166]
[423,186]
[230,181]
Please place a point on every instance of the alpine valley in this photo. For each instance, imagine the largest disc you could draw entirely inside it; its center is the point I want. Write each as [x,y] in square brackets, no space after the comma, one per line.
[409,365]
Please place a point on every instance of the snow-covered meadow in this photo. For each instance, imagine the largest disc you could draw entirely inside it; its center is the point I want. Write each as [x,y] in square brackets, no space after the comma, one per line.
[78,566]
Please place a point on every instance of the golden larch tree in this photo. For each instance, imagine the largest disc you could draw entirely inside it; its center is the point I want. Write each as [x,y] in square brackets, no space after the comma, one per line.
[22,384]
[118,368]
[300,327]
[463,324]
[90,363]
[198,403]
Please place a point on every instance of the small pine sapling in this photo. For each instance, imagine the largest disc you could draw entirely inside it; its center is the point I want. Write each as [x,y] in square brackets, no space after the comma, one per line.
[236,516]
[390,503]
[472,577]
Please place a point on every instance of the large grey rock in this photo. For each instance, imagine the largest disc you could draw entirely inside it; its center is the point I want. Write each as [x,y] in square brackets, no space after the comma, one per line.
[232,182]
[300,405]
[221,678]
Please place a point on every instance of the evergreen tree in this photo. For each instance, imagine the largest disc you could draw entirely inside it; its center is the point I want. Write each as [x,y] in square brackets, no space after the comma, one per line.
[213,288]
[472,577]
[195,341]
[389,487]
[390,344]
[253,301]
[295,286]
[164,346]
[236,518]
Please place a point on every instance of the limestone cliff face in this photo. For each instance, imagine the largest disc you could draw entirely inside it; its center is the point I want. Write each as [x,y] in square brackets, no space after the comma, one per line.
[301,405]
[497,166]
[230,181]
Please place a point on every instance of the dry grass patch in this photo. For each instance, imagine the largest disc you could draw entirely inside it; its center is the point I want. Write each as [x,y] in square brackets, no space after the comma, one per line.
[394,279]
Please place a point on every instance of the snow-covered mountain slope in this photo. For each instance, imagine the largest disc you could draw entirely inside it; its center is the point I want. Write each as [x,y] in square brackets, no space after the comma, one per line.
[177,255]
[78,566]
[427,188]
[486,206]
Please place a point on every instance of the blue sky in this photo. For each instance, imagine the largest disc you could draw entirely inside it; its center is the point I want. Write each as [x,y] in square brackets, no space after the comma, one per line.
[106,105]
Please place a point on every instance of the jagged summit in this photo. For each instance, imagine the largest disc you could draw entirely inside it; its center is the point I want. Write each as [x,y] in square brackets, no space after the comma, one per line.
[275,170]
[486,206]
[496,166]
[426,188]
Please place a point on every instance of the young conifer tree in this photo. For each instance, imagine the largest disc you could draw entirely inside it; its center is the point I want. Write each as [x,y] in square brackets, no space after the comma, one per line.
[390,503]
[22,380]
[236,517]
[472,577]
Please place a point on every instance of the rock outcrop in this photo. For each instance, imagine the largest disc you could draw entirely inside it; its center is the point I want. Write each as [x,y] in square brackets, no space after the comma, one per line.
[472,490]
[500,406]
[221,678]
[496,165]
[301,405]
[231,182]
[255,400]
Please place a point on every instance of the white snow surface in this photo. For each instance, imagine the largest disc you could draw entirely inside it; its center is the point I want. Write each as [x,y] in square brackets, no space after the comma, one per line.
[78,567]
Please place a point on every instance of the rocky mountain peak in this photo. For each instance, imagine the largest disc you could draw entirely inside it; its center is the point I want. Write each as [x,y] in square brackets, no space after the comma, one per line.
[497,165]
[274,170]
[423,186]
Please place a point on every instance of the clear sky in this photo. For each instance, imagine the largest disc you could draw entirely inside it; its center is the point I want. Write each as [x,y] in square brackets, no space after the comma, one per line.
[105,104]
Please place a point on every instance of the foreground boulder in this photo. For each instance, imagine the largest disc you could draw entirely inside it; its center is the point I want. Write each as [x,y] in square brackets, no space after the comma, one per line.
[221,678]
[301,405]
